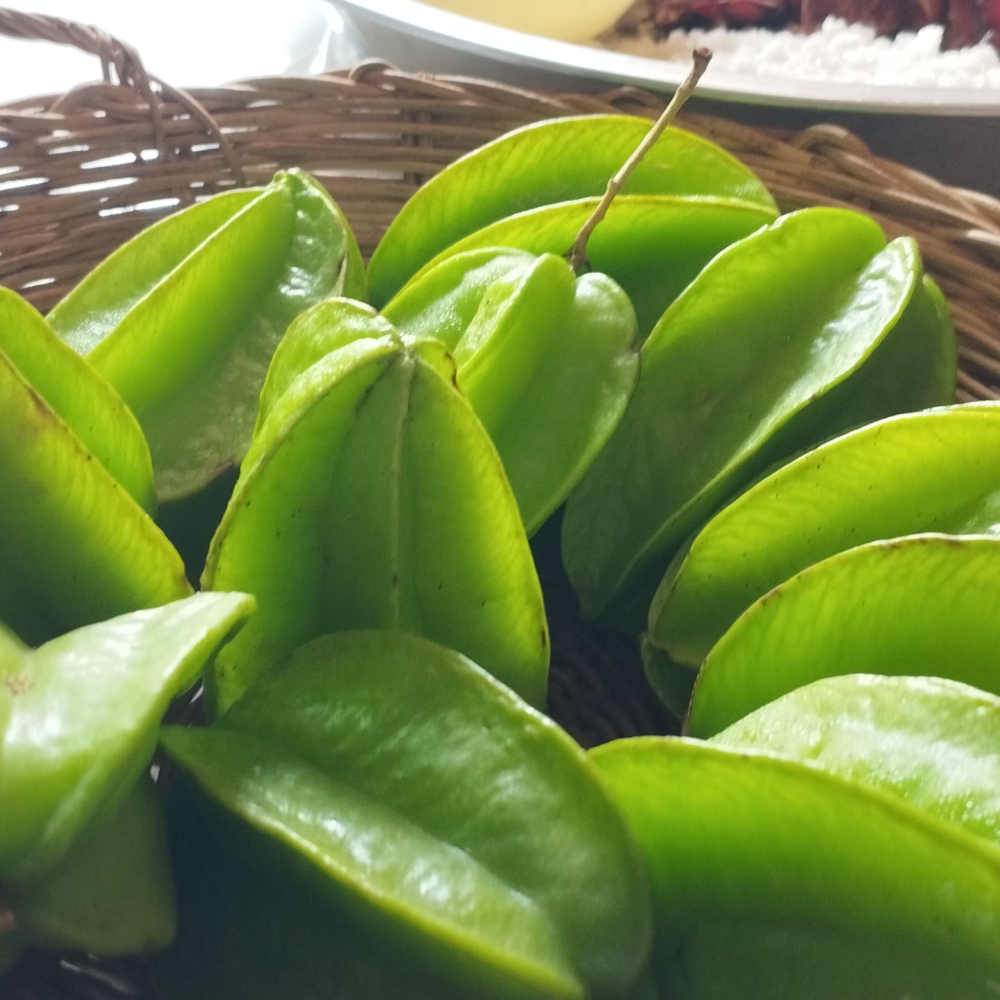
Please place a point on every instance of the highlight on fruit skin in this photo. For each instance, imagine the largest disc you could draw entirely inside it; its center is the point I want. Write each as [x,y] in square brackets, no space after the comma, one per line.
[552,163]
[877,608]
[547,359]
[378,500]
[393,785]
[776,879]
[84,864]
[372,496]
[933,470]
[802,330]
[183,319]
[929,740]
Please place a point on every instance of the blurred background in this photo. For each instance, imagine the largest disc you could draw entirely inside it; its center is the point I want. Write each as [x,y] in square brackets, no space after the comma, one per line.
[187,42]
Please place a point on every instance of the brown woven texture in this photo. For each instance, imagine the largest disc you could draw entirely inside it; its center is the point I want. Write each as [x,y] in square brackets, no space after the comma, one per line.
[82,172]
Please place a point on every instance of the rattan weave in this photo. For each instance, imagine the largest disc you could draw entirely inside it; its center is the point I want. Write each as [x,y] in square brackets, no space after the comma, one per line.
[81,172]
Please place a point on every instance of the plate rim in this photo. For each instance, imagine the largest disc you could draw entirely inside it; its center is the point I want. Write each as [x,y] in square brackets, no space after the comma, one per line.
[478,38]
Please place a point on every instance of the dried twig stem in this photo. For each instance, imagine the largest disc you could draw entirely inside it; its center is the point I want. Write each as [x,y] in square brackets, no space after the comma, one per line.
[7,921]
[578,254]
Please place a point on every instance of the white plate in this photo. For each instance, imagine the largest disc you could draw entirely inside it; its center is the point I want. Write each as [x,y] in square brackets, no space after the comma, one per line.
[415,35]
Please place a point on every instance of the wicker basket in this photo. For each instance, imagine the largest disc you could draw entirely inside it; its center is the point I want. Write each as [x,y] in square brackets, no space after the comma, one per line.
[82,172]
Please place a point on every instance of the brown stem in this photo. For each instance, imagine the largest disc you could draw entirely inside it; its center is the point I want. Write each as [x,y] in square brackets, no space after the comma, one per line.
[7,921]
[578,254]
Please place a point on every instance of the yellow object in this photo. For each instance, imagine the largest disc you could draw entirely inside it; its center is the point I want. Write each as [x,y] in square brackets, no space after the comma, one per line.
[566,20]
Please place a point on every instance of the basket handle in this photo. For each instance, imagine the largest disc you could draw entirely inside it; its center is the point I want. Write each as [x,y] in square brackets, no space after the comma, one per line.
[128,68]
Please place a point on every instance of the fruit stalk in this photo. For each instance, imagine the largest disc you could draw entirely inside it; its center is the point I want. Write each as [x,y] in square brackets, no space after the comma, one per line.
[578,254]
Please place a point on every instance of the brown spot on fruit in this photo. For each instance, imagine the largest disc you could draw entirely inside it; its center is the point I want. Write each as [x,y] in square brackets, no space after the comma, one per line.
[18,684]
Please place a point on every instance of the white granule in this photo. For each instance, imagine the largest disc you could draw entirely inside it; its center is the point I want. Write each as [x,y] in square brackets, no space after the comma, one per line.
[846,53]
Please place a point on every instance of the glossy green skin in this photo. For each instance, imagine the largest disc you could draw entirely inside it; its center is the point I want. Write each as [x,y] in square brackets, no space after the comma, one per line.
[672,682]
[933,471]
[653,246]
[773,880]
[320,331]
[95,308]
[86,711]
[445,299]
[327,326]
[256,935]
[183,319]
[112,894]
[83,860]
[932,741]
[547,360]
[11,940]
[919,605]
[10,647]
[418,794]
[548,162]
[798,332]
[75,548]
[372,497]
[247,934]
[84,400]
